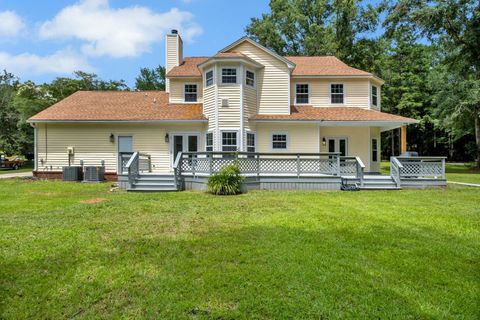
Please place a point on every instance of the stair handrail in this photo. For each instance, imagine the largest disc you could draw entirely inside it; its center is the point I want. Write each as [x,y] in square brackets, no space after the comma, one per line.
[396,168]
[360,170]
[177,168]
[133,167]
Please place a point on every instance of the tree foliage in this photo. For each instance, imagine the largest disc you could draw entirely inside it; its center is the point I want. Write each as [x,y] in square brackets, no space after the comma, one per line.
[151,79]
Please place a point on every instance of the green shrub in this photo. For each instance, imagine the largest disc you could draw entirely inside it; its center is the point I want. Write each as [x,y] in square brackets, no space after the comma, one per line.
[227,181]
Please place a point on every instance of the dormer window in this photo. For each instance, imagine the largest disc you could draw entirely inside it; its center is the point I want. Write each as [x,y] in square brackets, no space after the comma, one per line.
[209,78]
[374,95]
[229,75]
[336,93]
[190,93]
[250,78]
[302,93]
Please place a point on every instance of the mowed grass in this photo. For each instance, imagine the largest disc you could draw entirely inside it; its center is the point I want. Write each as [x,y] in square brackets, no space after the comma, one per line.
[458,172]
[74,250]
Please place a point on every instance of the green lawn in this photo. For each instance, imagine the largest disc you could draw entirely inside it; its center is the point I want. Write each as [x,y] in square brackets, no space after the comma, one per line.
[75,250]
[458,172]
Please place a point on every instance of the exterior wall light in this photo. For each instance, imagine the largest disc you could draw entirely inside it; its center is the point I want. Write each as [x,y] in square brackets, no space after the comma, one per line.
[112,138]
[167,138]
[324,142]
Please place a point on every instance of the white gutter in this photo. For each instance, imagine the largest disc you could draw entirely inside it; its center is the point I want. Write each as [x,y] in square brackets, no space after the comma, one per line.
[112,121]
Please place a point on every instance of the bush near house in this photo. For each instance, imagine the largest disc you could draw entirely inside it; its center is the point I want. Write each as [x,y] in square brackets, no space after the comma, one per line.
[227,181]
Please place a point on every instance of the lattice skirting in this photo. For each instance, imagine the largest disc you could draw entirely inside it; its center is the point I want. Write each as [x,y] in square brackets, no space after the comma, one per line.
[272,183]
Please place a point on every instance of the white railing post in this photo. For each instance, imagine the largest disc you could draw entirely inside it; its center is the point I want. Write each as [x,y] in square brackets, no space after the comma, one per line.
[338,165]
[443,168]
[298,165]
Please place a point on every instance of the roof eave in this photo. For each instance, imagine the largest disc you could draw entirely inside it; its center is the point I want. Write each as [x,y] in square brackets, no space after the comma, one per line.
[111,121]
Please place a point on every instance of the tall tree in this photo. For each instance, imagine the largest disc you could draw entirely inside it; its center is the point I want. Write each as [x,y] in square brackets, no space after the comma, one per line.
[151,79]
[8,115]
[454,26]
[314,27]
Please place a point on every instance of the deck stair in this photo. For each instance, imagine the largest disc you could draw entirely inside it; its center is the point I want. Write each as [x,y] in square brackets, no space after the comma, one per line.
[151,182]
[378,182]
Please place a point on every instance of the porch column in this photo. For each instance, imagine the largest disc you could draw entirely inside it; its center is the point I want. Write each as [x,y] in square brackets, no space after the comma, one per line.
[403,139]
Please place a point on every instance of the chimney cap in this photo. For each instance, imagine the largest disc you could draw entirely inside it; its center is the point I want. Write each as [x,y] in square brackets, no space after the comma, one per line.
[174,31]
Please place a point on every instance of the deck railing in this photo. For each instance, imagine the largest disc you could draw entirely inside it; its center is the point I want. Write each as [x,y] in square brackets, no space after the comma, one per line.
[396,168]
[138,162]
[417,167]
[254,163]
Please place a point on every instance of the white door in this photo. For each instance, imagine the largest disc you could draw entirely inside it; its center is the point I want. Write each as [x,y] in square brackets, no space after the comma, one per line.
[125,151]
[183,143]
[338,145]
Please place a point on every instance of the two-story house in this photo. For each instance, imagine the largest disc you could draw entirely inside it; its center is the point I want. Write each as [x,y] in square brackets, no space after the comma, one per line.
[244,98]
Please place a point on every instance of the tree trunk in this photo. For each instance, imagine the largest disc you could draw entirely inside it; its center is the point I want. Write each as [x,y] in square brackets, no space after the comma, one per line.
[477,137]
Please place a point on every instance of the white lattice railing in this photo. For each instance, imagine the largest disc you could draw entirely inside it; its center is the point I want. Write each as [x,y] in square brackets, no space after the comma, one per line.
[417,167]
[261,163]
[138,162]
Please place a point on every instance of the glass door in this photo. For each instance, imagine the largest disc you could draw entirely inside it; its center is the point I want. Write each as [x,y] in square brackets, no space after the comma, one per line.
[337,145]
[183,143]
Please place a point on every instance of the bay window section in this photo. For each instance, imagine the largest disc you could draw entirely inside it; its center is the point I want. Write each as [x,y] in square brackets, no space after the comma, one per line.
[229,141]
[229,75]
[209,78]
[250,142]
[374,96]
[209,141]
[250,78]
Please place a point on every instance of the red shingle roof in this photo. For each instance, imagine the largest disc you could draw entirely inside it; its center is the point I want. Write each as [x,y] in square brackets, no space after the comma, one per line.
[308,113]
[119,106]
[324,65]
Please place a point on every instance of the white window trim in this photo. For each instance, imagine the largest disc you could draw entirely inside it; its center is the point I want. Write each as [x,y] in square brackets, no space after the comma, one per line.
[191,84]
[228,130]
[344,94]
[213,139]
[337,143]
[287,141]
[246,139]
[221,75]
[372,86]
[309,93]
[371,149]
[254,79]
[213,78]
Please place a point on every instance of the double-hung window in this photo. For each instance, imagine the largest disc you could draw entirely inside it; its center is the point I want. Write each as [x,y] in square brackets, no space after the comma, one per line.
[374,95]
[229,75]
[301,93]
[229,141]
[374,150]
[336,93]
[279,141]
[250,78]
[250,142]
[190,93]
[209,141]
[209,78]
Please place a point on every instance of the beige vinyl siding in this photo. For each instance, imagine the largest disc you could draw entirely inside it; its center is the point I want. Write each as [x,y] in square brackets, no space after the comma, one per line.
[172,56]
[356,92]
[249,105]
[177,88]
[229,117]
[358,141]
[92,143]
[272,81]
[302,137]
[209,106]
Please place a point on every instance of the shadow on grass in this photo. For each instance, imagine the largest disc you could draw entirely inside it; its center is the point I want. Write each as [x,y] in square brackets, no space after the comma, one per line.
[247,272]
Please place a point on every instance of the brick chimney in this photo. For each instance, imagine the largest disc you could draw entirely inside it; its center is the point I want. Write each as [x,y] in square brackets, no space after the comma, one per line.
[173,54]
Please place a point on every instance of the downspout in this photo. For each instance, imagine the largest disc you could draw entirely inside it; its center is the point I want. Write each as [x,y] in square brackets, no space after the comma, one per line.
[35,147]
[241,108]
[216,141]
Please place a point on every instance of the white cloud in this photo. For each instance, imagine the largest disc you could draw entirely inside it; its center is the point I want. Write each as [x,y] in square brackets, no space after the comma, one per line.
[61,62]
[125,32]
[11,24]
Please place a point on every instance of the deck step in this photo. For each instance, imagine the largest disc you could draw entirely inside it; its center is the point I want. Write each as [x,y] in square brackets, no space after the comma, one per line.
[153,182]
[380,188]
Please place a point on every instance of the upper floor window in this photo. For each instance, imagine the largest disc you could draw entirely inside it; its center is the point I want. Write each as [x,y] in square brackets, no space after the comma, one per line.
[229,75]
[190,93]
[209,141]
[279,141]
[336,93]
[209,78]
[374,95]
[229,141]
[374,150]
[250,142]
[250,78]
[301,93]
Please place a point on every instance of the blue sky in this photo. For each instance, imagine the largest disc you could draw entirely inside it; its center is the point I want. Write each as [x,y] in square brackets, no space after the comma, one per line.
[40,40]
